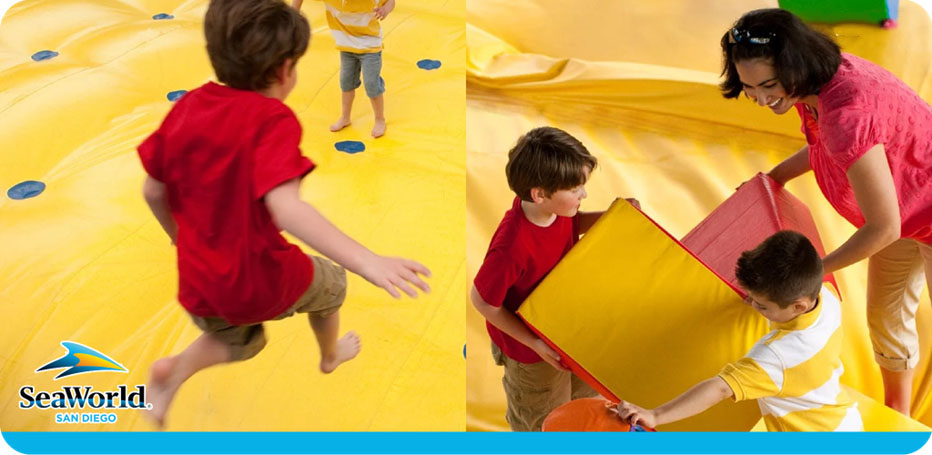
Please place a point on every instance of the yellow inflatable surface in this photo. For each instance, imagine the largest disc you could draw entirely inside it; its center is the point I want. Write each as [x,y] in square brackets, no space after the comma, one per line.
[636,82]
[85,261]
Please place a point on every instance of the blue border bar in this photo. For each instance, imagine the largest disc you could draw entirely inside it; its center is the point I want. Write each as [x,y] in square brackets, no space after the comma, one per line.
[465,443]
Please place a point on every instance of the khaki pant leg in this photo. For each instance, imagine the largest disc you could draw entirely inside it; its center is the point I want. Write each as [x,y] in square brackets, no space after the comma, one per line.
[532,391]
[926,252]
[243,341]
[894,283]
[581,389]
[326,293]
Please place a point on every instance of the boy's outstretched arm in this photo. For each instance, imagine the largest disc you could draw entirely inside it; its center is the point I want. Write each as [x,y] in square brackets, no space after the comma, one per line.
[508,322]
[307,224]
[157,197]
[700,397]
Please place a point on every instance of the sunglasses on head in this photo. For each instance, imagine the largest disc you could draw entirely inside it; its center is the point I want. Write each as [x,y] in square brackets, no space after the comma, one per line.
[740,35]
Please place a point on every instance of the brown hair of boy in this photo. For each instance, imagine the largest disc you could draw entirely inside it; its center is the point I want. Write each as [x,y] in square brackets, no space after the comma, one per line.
[547,158]
[783,268]
[247,40]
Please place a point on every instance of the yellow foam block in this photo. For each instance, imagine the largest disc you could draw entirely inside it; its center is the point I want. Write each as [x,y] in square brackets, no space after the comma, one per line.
[645,318]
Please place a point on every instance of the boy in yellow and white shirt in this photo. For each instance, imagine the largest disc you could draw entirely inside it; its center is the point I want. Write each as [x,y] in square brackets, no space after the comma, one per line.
[793,371]
[357,32]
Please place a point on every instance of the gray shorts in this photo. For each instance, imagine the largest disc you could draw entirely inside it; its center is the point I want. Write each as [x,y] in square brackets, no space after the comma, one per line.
[370,65]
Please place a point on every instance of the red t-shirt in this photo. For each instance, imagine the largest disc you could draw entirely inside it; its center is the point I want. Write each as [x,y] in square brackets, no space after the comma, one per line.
[519,257]
[862,106]
[218,152]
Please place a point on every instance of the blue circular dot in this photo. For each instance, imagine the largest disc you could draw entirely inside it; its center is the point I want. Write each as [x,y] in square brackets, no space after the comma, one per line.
[162,16]
[44,55]
[175,95]
[464,351]
[428,64]
[26,190]
[350,146]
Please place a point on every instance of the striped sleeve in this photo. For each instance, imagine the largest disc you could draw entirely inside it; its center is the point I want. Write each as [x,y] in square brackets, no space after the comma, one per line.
[759,374]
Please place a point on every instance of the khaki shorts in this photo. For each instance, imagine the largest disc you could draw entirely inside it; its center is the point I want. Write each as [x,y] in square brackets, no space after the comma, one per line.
[894,283]
[535,389]
[323,298]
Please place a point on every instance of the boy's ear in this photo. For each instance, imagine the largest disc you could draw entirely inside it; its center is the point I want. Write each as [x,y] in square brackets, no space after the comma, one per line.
[282,72]
[800,305]
[538,195]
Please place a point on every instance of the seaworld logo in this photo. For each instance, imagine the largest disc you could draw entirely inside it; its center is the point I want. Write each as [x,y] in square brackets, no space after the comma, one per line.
[80,397]
[81,359]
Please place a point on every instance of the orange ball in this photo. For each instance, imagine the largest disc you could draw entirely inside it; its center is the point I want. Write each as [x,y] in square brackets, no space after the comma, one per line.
[584,414]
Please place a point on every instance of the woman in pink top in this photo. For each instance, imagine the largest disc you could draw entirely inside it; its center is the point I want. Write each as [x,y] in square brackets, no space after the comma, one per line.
[869,144]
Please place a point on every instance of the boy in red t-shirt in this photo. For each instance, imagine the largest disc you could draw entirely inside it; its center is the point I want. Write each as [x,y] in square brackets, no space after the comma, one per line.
[224,171]
[547,170]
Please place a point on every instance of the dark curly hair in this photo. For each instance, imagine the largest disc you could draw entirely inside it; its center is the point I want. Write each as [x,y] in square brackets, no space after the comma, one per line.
[784,267]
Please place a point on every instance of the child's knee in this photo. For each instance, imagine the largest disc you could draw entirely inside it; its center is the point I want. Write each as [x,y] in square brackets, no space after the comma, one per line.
[372,74]
[349,82]
[375,88]
[350,77]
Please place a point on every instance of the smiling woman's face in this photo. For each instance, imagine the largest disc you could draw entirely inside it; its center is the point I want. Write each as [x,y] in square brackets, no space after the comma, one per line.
[761,85]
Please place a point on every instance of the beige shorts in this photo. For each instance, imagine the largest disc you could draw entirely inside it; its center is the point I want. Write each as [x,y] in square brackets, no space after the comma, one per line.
[535,389]
[894,283]
[321,299]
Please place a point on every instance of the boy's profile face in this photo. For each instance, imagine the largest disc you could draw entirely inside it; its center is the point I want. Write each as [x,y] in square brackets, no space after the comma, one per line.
[566,202]
[773,312]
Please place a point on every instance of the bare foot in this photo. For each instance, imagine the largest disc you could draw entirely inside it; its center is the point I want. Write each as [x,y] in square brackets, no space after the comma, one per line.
[161,390]
[340,124]
[379,129]
[347,348]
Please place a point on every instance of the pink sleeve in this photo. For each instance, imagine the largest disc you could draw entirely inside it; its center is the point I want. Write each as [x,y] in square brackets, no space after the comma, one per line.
[849,132]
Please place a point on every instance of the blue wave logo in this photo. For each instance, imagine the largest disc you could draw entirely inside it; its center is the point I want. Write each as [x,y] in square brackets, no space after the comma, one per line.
[81,359]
